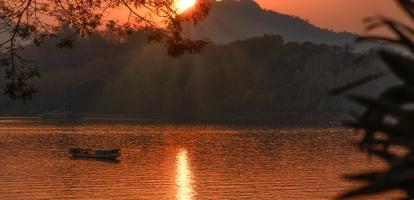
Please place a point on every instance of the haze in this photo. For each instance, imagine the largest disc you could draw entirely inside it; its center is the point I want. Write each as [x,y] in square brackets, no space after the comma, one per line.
[339,15]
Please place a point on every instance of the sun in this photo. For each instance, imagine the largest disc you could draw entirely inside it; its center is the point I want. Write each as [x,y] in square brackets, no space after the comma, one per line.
[183,5]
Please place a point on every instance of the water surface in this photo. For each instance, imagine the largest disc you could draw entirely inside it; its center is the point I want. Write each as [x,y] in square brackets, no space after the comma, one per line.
[176,161]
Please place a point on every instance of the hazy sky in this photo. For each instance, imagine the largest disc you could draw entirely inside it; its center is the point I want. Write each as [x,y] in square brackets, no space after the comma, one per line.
[339,15]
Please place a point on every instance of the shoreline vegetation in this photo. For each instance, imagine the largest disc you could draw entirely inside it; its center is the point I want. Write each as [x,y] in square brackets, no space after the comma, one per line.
[285,82]
[272,119]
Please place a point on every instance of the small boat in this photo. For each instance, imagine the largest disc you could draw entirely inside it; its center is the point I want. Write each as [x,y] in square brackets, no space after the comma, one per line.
[60,115]
[92,153]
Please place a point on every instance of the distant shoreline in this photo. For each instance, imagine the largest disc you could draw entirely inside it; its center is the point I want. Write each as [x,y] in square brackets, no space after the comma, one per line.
[199,119]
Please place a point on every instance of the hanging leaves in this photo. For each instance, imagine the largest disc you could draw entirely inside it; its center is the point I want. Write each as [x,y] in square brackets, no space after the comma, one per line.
[34,21]
[391,114]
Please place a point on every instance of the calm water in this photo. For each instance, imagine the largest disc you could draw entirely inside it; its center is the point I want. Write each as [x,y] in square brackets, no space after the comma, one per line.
[170,161]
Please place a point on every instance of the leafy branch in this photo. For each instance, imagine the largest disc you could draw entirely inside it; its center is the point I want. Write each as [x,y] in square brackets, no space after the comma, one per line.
[26,22]
[388,120]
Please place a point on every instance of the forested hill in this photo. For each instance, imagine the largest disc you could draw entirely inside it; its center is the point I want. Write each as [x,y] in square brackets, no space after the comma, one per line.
[232,20]
[262,77]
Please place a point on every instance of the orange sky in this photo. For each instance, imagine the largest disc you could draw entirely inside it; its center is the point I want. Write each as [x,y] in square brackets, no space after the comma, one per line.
[339,15]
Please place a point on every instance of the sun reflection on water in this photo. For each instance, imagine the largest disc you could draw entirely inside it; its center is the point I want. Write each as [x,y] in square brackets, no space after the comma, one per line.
[184,180]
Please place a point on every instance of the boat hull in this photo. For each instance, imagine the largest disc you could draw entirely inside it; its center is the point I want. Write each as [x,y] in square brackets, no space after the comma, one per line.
[112,156]
[98,154]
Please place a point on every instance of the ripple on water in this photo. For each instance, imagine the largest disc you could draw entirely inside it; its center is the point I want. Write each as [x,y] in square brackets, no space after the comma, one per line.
[164,161]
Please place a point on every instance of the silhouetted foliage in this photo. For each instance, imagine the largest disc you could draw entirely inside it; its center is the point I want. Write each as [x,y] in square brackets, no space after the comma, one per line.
[33,21]
[388,121]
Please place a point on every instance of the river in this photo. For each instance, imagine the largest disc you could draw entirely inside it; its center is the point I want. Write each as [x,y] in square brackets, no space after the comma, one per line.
[177,161]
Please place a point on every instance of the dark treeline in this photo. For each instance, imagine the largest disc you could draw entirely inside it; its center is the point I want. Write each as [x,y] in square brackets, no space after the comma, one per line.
[261,77]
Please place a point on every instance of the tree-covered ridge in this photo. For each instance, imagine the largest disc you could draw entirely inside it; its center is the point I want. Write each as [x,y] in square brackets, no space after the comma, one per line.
[255,76]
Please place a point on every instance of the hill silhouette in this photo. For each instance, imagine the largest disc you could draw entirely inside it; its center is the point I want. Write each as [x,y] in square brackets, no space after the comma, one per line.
[232,20]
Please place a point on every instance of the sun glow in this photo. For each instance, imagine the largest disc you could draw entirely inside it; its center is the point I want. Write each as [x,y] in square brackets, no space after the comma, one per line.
[184,179]
[183,5]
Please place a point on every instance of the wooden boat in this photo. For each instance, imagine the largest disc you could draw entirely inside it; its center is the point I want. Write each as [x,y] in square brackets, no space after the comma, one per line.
[92,153]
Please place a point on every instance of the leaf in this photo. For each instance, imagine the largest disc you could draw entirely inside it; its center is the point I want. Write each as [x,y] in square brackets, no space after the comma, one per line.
[377,104]
[399,94]
[367,190]
[371,176]
[408,6]
[396,28]
[389,157]
[378,38]
[401,66]
[357,83]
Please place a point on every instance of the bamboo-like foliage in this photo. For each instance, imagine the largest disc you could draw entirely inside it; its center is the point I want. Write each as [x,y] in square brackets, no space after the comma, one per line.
[388,121]
[25,22]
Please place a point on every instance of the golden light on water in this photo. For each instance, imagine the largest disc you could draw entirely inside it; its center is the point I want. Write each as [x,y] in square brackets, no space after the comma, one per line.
[184,180]
[183,5]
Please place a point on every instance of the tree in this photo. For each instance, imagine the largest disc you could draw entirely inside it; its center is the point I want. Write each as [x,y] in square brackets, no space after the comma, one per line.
[24,22]
[388,121]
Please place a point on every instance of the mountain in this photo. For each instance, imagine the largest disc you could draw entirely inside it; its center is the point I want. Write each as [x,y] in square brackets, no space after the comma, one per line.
[232,20]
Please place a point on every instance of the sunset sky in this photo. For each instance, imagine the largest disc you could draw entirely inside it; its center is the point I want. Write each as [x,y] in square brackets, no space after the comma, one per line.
[340,15]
